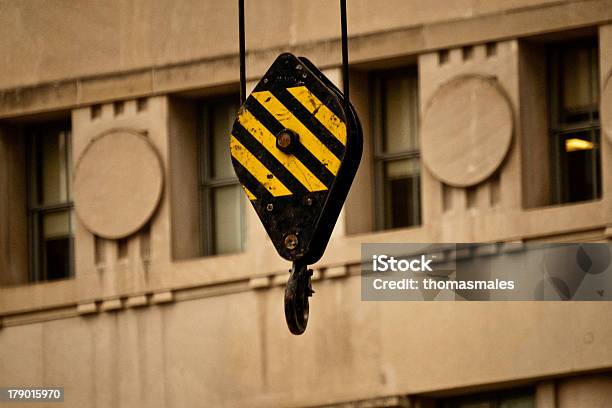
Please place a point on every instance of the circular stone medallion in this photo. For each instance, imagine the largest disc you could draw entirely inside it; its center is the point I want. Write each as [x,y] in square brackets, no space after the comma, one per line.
[117,184]
[606,108]
[466,130]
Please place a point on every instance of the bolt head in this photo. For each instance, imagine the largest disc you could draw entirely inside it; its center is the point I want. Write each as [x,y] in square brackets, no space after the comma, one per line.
[287,140]
[284,139]
[291,242]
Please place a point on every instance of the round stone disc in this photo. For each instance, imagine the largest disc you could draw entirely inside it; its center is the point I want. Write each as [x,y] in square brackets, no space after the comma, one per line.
[466,130]
[117,184]
[606,108]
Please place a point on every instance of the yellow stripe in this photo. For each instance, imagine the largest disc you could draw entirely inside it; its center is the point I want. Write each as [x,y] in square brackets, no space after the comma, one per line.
[324,115]
[250,195]
[307,139]
[291,163]
[258,170]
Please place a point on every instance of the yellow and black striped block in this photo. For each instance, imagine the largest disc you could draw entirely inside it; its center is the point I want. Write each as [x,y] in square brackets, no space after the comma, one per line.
[290,190]
[314,163]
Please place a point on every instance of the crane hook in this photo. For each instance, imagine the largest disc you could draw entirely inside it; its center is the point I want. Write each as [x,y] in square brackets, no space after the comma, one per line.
[297,292]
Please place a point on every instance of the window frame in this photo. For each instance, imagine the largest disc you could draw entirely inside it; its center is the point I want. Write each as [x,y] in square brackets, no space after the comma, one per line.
[494,399]
[207,183]
[381,210]
[557,128]
[35,210]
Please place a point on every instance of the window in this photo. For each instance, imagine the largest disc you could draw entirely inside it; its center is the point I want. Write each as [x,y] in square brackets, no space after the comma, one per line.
[523,398]
[396,149]
[50,208]
[574,121]
[220,194]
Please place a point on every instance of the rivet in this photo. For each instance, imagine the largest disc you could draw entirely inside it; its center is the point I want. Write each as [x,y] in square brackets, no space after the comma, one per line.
[270,207]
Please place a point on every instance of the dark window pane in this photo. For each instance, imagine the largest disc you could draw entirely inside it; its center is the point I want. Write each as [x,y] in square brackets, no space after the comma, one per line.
[400,114]
[524,401]
[502,399]
[55,241]
[473,404]
[222,117]
[50,205]
[221,195]
[227,219]
[579,166]
[574,121]
[57,262]
[402,184]
[579,80]
[395,110]
[53,168]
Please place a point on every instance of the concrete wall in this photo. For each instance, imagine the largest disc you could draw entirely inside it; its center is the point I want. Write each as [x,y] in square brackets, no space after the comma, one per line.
[164,327]
[235,350]
[104,37]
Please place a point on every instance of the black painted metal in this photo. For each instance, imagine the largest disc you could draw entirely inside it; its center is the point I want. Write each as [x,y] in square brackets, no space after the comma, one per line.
[297,292]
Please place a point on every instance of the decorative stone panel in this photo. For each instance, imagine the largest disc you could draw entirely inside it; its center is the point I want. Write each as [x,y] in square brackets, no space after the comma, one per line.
[466,130]
[118,183]
[606,107]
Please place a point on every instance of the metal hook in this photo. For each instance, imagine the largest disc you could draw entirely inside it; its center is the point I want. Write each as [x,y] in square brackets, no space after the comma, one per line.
[297,292]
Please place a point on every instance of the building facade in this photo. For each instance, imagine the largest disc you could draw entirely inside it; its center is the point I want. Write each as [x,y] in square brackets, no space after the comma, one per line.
[133,271]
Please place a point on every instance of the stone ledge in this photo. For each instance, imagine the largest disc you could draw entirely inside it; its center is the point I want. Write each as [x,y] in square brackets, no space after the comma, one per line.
[137,301]
[160,298]
[280,279]
[336,272]
[87,308]
[111,305]
[260,282]
[352,268]
[608,232]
